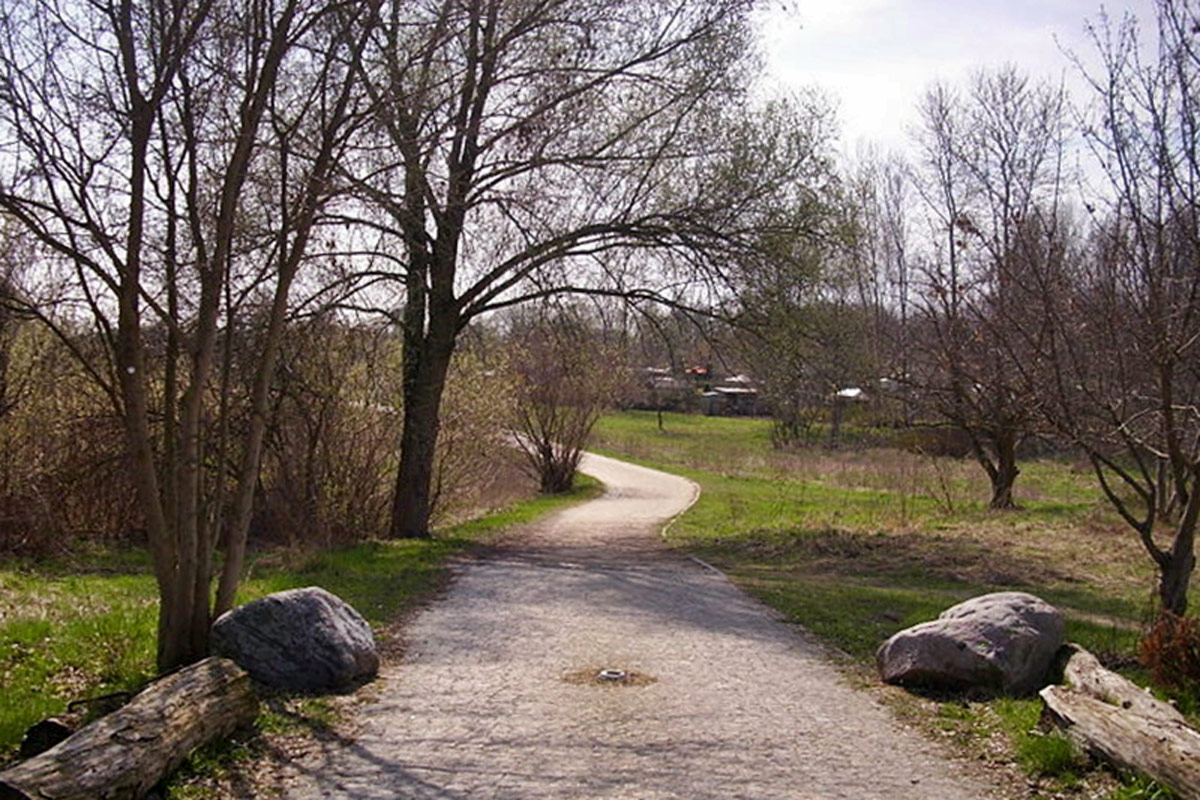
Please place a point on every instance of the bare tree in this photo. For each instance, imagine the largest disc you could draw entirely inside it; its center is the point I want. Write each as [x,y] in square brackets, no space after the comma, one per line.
[1119,357]
[532,149]
[990,175]
[793,303]
[171,159]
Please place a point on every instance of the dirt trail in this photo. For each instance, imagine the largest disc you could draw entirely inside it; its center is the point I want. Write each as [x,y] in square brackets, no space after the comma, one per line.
[733,702]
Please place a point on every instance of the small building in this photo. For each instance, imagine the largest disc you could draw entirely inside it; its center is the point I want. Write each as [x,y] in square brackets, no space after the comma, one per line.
[730,401]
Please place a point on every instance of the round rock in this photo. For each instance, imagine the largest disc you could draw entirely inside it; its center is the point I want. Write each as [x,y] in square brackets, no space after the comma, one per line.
[1004,641]
[301,640]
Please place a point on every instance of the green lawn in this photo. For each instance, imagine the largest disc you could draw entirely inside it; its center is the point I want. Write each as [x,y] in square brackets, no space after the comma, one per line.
[84,626]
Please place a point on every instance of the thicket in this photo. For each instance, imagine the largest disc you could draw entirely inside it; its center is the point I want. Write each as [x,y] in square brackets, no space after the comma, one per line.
[329,453]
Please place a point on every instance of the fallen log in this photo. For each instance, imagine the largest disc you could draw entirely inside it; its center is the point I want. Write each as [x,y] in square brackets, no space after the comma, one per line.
[1119,722]
[1083,671]
[1169,752]
[126,753]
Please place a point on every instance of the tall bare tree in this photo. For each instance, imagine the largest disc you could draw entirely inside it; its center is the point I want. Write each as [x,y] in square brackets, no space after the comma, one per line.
[531,148]
[171,158]
[990,175]
[1119,357]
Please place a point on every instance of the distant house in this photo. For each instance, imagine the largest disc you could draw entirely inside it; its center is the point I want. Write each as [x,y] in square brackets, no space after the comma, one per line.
[660,379]
[851,394]
[701,377]
[733,397]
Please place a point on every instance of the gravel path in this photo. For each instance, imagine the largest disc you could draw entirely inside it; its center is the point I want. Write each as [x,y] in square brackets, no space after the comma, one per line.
[494,700]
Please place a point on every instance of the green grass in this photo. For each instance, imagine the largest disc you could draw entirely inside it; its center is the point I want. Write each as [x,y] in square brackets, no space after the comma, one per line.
[857,544]
[1041,753]
[85,625]
[64,636]
[1139,788]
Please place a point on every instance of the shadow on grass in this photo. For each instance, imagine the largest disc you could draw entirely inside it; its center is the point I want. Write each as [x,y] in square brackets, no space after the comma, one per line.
[902,559]
[854,590]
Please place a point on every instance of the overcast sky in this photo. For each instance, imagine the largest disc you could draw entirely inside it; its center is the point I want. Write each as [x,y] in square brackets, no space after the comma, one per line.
[877,56]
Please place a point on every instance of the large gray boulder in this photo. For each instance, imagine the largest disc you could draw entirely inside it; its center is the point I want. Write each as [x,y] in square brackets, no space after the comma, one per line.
[1004,641]
[300,640]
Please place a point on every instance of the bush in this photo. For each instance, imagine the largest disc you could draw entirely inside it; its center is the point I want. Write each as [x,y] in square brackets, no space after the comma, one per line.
[331,443]
[1171,650]
[62,475]
[329,466]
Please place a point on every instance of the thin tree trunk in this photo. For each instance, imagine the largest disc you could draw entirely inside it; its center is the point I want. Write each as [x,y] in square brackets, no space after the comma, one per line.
[1005,474]
[835,426]
[235,551]
[131,369]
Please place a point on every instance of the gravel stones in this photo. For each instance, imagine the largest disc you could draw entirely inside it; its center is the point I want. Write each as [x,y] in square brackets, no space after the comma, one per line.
[300,640]
[1004,641]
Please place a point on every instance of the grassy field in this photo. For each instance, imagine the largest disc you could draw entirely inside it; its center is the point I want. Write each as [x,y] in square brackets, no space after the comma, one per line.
[856,544]
[84,626]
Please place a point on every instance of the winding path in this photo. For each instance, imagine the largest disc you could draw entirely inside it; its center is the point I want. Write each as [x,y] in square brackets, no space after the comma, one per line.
[494,697]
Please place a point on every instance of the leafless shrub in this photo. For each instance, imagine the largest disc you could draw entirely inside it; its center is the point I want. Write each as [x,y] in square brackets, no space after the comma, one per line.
[566,374]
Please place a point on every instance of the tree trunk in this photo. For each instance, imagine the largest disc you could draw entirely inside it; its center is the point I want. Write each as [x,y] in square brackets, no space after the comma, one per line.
[1083,672]
[1176,569]
[1002,487]
[1002,470]
[835,427]
[412,501]
[1124,724]
[1174,579]
[125,754]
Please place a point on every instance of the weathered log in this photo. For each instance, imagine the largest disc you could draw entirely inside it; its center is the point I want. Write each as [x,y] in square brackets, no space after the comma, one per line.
[124,754]
[1083,671]
[1167,751]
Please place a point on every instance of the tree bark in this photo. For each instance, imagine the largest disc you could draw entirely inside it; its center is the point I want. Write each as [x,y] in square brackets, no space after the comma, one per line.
[1179,564]
[1083,672]
[1005,475]
[125,754]
[996,452]
[412,501]
[1173,584]
[1169,752]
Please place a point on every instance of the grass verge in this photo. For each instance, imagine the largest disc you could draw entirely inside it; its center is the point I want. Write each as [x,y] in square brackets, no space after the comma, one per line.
[85,625]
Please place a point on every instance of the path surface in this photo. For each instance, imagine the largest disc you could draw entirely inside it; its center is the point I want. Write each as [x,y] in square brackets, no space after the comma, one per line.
[741,705]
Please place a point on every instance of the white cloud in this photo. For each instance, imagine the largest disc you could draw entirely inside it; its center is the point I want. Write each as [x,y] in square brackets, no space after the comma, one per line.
[877,56]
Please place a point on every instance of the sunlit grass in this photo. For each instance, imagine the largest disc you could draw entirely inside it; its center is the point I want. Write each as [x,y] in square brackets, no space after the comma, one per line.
[859,544]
